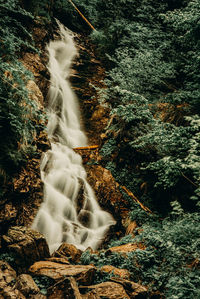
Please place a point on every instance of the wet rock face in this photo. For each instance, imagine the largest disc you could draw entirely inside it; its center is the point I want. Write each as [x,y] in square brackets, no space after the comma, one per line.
[26,245]
[24,193]
[83,274]
[107,190]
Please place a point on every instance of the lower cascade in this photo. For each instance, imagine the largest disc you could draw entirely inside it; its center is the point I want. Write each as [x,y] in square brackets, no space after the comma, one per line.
[69,212]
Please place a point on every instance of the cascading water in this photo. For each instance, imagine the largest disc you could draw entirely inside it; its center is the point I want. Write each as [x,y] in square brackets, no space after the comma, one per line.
[65,215]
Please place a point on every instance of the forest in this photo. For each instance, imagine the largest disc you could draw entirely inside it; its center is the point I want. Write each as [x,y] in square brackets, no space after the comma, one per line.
[150,90]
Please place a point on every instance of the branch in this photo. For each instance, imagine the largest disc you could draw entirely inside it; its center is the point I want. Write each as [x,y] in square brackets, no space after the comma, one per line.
[84,18]
[189,180]
[136,199]
[89,147]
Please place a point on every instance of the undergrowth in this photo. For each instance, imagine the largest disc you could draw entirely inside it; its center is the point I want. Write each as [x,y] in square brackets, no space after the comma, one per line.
[170,262]
[20,117]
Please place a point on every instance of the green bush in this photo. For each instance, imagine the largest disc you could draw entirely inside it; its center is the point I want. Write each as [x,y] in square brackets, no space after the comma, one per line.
[19,116]
[170,262]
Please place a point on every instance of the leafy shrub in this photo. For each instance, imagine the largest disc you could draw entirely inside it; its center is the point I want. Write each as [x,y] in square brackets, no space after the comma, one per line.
[19,115]
[152,59]
[170,262]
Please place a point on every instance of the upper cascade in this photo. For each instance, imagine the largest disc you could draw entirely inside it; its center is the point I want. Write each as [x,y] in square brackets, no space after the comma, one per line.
[69,212]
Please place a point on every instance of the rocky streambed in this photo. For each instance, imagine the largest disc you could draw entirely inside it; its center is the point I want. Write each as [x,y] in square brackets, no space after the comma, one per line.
[28,271]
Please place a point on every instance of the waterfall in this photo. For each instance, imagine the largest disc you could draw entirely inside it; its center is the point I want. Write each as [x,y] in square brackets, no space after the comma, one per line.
[69,212]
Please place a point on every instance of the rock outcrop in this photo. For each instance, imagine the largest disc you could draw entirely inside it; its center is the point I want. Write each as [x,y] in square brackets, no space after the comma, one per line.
[26,285]
[26,245]
[7,282]
[83,274]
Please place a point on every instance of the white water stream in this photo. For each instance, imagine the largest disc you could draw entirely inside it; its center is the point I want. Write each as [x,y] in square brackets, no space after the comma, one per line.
[69,212]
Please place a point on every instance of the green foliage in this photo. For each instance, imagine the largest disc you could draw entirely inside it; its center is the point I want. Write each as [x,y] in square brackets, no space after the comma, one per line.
[170,262]
[172,247]
[19,116]
[99,260]
[153,57]
[124,240]
[9,258]
[38,8]
[184,24]
[43,282]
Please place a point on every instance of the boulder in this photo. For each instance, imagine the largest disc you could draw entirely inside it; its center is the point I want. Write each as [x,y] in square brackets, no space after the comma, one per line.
[82,274]
[108,290]
[134,290]
[123,273]
[26,285]
[26,245]
[67,288]
[68,251]
[7,282]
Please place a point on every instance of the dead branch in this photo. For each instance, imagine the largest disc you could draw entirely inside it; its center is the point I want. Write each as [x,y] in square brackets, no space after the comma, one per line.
[136,199]
[80,13]
[189,180]
[89,147]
